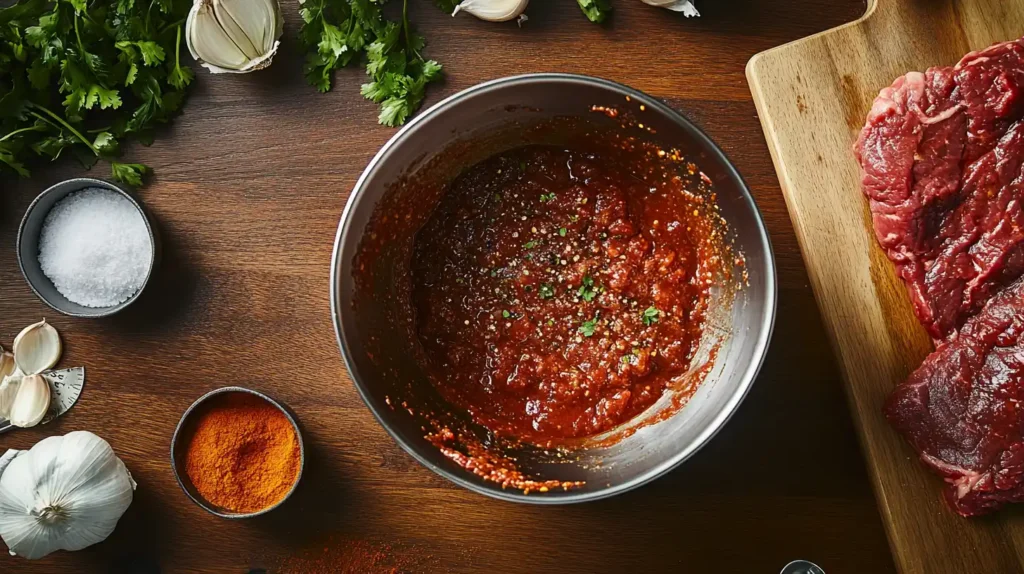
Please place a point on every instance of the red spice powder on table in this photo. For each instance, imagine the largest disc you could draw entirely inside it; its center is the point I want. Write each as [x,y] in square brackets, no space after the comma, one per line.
[243,453]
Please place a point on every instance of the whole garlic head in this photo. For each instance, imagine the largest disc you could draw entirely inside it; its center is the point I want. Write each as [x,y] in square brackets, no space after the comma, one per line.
[234,36]
[65,493]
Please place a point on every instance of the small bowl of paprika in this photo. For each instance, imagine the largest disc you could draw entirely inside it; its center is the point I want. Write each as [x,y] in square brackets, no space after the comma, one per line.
[237,453]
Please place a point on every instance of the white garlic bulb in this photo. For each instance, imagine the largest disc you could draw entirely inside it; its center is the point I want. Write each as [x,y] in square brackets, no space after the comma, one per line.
[234,36]
[493,10]
[684,6]
[65,493]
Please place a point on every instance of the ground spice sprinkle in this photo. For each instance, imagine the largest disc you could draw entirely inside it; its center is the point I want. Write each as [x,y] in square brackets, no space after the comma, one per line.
[243,454]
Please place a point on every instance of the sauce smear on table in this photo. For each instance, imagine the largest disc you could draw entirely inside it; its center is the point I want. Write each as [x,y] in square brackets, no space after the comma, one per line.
[559,293]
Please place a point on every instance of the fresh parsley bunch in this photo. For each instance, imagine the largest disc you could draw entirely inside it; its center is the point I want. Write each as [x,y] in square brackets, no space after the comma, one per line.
[79,77]
[340,32]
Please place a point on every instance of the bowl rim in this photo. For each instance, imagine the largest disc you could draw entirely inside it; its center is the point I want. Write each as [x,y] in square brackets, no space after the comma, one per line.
[181,426]
[82,183]
[698,135]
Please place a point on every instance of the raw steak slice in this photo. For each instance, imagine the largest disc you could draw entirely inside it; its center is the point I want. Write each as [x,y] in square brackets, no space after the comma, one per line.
[961,409]
[941,155]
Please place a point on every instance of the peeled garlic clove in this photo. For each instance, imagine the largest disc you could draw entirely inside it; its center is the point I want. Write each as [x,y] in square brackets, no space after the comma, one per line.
[37,348]
[31,401]
[7,364]
[492,10]
[684,6]
[234,36]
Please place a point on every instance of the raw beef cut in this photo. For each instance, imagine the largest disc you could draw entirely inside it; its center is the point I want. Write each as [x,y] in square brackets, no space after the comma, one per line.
[962,408]
[942,154]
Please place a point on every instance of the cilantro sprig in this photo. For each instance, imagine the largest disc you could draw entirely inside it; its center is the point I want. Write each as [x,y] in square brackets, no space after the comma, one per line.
[80,77]
[340,32]
[587,290]
[650,315]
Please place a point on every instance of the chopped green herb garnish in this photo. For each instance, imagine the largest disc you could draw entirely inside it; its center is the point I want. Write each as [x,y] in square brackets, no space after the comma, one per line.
[497,197]
[546,291]
[650,315]
[546,197]
[550,322]
[531,244]
[562,231]
[506,314]
[625,358]
[588,327]
[522,165]
[574,218]
[587,290]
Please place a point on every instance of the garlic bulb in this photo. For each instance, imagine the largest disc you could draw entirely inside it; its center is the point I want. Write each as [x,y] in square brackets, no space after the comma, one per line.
[492,10]
[37,348]
[684,6]
[30,402]
[65,493]
[234,36]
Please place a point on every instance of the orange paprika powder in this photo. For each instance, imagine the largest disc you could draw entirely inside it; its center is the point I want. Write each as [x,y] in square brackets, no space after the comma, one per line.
[243,454]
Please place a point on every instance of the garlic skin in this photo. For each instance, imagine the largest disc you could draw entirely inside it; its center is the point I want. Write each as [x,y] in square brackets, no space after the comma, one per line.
[493,10]
[684,6]
[234,36]
[37,348]
[31,401]
[65,493]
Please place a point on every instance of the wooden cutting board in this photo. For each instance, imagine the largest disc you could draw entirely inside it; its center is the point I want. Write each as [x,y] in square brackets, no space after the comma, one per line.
[813,96]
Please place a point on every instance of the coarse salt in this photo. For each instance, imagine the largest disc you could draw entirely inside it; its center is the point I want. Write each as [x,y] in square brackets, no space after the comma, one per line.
[95,247]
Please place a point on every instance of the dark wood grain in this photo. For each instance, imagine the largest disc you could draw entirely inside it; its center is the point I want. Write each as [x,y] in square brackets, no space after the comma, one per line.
[250,182]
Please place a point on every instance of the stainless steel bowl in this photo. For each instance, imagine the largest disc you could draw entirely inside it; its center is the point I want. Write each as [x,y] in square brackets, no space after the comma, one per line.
[28,247]
[508,107]
[178,449]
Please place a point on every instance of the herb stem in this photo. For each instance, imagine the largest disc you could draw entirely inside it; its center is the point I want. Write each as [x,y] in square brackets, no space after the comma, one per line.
[18,131]
[405,29]
[66,125]
[177,48]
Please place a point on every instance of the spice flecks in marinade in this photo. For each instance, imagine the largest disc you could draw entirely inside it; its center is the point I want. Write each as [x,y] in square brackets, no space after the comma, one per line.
[558,293]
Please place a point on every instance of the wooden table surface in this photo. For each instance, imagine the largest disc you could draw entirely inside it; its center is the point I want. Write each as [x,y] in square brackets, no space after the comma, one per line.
[250,182]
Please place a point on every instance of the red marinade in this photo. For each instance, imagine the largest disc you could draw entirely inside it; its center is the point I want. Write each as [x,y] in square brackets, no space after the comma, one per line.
[559,293]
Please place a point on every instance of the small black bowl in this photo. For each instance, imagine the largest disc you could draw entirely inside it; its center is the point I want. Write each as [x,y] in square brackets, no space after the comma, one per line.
[28,247]
[178,454]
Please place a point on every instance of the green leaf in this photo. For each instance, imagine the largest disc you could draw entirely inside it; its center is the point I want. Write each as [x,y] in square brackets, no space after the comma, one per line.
[52,146]
[80,5]
[588,327]
[8,159]
[130,173]
[133,72]
[595,10]
[39,74]
[105,143]
[650,316]
[180,77]
[394,111]
[152,53]
[332,42]
[587,291]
